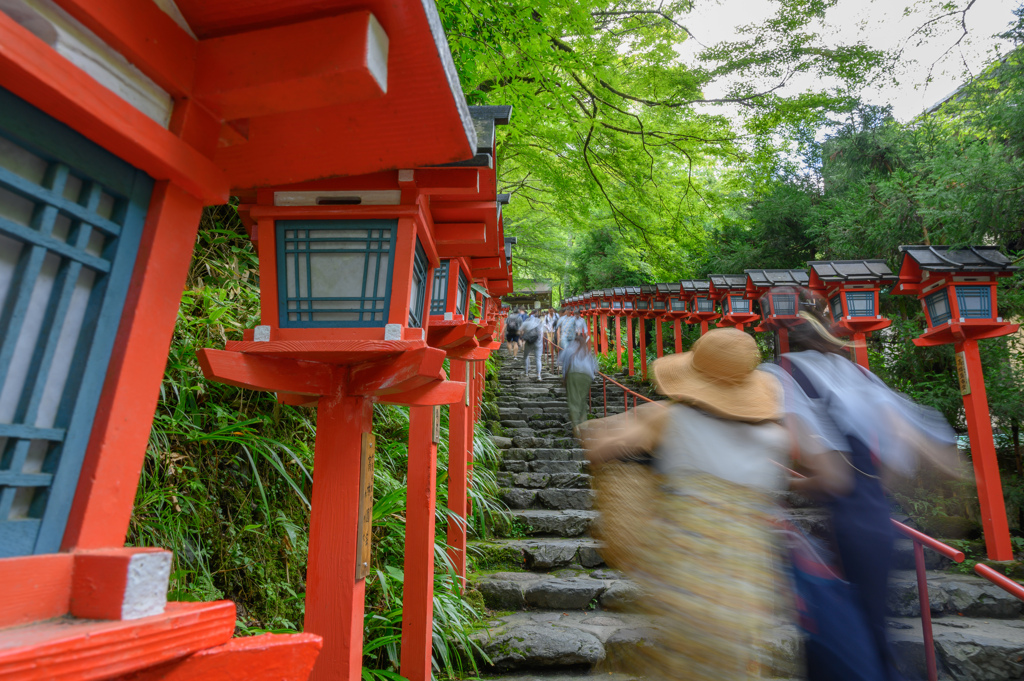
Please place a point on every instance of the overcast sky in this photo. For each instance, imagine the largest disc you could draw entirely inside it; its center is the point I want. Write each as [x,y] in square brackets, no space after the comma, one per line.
[883,24]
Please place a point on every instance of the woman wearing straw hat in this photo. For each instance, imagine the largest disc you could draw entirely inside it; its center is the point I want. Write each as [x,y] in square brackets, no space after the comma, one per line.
[701,548]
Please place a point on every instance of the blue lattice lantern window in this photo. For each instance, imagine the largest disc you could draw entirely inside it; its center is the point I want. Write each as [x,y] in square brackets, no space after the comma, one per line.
[860,303]
[703,304]
[783,304]
[937,305]
[336,273]
[339,262]
[677,304]
[835,306]
[449,296]
[739,305]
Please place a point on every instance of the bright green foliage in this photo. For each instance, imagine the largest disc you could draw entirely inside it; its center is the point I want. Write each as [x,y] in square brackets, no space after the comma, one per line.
[611,128]
[228,474]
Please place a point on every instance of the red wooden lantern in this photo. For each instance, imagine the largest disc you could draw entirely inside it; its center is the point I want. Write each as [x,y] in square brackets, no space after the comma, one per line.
[605,300]
[957,290]
[660,310]
[700,304]
[778,297]
[851,288]
[729,291]
[676,312]
[346,271]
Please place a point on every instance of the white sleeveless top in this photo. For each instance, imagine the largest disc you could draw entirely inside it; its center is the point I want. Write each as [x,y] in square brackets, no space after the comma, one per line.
[742,453]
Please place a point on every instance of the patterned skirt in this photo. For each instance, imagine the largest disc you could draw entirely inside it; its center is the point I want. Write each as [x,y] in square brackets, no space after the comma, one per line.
[712,580]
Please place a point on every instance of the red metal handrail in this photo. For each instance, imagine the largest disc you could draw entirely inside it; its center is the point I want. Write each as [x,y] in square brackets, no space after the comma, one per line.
[1003,582]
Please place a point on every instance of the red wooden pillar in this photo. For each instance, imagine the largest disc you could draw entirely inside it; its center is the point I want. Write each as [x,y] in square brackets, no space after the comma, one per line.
[459,442]
[629,344]
[703,327]
[604,334]
[860,349]
[418,587]
[678,328]
[658,334]
[618,343]
[783,336]
[334,597]
[643,349]
[983,456]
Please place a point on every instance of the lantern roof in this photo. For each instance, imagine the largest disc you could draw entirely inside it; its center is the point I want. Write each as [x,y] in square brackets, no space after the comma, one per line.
[695,285]
[667,289]
[771,278]
[633,290]
[416,116]
[972,258]
[728,281]
[619,291]
[852,270]
[647,289]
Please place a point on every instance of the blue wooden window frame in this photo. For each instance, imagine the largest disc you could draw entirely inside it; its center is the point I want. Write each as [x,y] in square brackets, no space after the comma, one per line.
[937,304]
[975,302]
[299,240]
[678,305]
[439,295]
[860,303]
[784,304]
[605,304]
[71,159]
[660,305]
[463,296]
[642,304]
[703,304]
[835,304]
[418,291]
[743,305]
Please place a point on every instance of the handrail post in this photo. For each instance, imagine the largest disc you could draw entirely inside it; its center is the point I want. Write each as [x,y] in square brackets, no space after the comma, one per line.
[926,613]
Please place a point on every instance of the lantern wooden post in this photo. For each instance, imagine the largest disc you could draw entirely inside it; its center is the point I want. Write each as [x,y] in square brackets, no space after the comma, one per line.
[460,441]
[643,349]
[335,580]
[957,290]
[659,338]
[418,585]
[983,453]
[629,344]
[618,342]
[677,327]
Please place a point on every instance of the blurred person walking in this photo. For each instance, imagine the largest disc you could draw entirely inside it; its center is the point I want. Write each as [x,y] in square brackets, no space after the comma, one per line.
[699,538]
[579,366]
[512,326]
[836,405]
[550,322]
[531,333]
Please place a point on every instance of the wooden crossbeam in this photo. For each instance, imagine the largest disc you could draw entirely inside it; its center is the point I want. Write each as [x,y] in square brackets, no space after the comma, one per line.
[274,374]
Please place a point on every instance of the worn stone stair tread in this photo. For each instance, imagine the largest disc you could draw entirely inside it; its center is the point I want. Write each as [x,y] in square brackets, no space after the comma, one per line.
[544,553]
[604,641]
[563,522]
[957,596]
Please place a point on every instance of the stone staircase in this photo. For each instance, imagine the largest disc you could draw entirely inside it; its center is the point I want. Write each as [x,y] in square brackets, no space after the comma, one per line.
[558,610]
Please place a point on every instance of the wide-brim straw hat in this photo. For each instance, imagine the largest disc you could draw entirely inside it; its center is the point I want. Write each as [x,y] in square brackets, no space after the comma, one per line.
[720,376]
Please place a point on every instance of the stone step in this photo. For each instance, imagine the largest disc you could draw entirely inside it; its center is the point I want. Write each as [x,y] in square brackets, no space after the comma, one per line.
[602,642]
[542,466]
[573,453]
[539,553]
[565,589]
[562,523]
[540,480]
[552,498]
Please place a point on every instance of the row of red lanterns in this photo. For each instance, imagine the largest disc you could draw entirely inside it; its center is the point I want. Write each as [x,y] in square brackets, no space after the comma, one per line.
[957,289]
